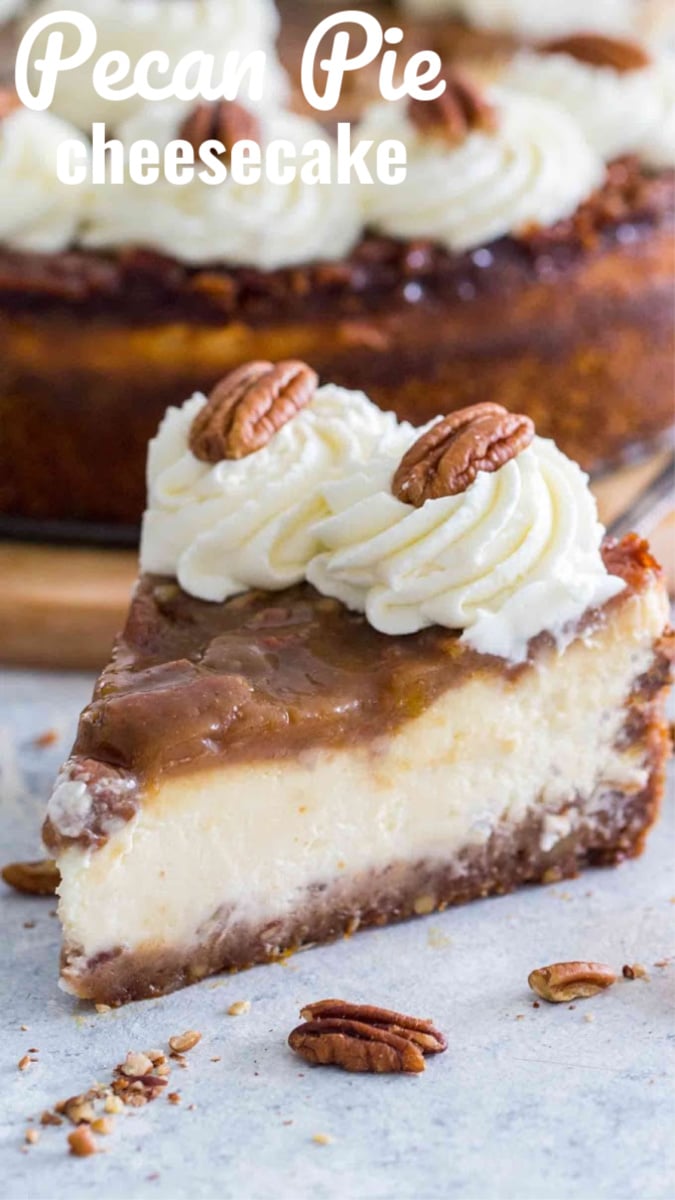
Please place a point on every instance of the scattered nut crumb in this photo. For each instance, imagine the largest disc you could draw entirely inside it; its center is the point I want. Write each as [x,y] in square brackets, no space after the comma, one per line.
[174,1097]
[286,1122]
[238,1008]
[81,1142]
[23,1028]
[322,1139]
[113,1104]
[663,962]
[634,971]
[216,1058]
[48,738]
[24,1063]
[136,1064]
[183,1042]
[29,924]
[103,1008]
[565,981]
[103,1125]
[536,1004]
[590,1017]
[520,1017]
[32,1136]
[50,1118]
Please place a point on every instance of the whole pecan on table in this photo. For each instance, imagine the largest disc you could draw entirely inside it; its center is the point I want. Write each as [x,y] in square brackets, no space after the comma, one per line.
[248,406]
[364,1038]
[460,110]
[224,121]
[565,981]
[40,878]
[597,50]
[446,459]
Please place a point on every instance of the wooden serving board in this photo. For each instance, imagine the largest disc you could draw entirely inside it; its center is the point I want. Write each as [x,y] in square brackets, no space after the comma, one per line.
[61,606]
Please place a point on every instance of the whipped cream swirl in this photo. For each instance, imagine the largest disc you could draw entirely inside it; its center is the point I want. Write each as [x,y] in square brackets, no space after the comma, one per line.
[252,522]
[138,27]
[620,112]
[37,212]
[534,169]
[263,224]
[516,554]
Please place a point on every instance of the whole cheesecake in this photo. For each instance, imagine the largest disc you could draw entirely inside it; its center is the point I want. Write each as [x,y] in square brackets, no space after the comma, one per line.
[548,287]
[321,716]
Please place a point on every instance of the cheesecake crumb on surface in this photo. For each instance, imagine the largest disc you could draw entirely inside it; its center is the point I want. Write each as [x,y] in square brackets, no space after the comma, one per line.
[239,1008]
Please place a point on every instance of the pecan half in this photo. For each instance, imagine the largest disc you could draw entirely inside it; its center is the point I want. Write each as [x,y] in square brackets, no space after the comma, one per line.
[459,111]
[248,407]
[446,459]
[620,54]
[571,981]
[360,1038]
[39,878]
[224,121]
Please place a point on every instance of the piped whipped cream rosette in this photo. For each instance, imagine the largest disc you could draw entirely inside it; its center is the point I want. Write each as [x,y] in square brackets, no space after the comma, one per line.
[513,550]
[176,28]
[480,166]
[619,95]
[235,482]
[262,224]
[38,213]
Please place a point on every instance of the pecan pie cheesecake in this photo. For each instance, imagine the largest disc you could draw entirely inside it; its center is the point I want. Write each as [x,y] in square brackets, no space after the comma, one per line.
[369,671]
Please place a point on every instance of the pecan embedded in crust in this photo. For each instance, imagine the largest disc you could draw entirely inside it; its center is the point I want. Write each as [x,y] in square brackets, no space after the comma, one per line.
[455,114]
[571,981]
[39,878]
[363,1038]
[446,459]
[248,407]
[620,54]
[224,121]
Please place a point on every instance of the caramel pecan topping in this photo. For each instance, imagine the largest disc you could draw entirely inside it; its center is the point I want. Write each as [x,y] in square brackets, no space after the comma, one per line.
[9,101]
[600,51]
[446,460]
[455,114]
[248,407]
[360,1037]
[224,121]
[571,981]
[39,878]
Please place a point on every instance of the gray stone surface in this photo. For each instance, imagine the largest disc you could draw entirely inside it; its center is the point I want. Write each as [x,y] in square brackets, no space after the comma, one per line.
[527,1103]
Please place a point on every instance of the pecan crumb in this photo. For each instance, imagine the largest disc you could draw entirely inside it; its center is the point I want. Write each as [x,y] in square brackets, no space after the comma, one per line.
[103,1008]
[103,1125]
[183,1042]
[224,121]
[32,1137]
[248,407]
[562,982]
[460,110]
[598,50]
[361,1037]
[24,1063]
[39,878]
[135,1064]
[48,738]
[446,459]
[322,1139]
[174,1097]
[239,1007]
[50,1118]
[634,971]
[81,1142]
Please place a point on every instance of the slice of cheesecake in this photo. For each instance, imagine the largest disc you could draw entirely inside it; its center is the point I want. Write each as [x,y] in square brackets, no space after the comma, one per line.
[268,770]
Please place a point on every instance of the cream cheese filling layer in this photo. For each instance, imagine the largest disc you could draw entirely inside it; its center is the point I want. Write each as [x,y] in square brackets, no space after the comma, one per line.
[243,845]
